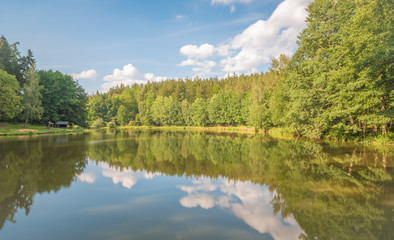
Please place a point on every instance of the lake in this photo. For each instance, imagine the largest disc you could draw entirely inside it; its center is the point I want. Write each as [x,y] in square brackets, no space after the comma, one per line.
[115,184]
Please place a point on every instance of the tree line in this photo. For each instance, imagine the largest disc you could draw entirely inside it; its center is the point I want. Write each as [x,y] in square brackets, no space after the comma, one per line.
[338,84]
[36,96]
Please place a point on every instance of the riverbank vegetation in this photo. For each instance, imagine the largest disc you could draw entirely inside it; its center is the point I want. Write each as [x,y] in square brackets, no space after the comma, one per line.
[338,85]
[8,129]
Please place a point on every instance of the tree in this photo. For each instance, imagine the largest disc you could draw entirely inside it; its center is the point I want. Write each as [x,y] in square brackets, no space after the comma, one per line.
[199,113]
[123,116]
[32,109]
[62,98]
[98,123]
[12,62]
[9,99]
[339,78]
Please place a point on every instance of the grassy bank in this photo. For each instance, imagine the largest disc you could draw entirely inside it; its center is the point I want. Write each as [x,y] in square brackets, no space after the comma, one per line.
[10,129]
[217,129]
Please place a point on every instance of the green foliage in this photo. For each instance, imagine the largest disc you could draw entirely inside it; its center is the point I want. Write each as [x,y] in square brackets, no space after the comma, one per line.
[13,63]
[98,123]
[199,113]
[32,109]
[10,101]
[111,124]
[335,88]
[123,116]
[62,98]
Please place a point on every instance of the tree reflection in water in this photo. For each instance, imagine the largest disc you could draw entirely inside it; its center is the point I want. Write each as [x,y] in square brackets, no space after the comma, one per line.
[315,190]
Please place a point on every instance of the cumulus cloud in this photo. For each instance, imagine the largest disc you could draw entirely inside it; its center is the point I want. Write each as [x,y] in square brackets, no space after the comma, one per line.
[257,44]
[200,67]
[88,74]
[87,177]
[266,39]
[197,52]
[128,75]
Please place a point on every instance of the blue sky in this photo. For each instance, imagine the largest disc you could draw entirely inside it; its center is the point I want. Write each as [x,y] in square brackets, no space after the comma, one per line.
[103,43]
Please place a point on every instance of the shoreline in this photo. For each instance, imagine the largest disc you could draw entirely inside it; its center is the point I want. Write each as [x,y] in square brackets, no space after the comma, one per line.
[279,133]
[18,129]
[7,129]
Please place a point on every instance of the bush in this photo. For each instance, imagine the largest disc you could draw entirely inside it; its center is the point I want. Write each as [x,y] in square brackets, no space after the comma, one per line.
[111,124]
[98,123]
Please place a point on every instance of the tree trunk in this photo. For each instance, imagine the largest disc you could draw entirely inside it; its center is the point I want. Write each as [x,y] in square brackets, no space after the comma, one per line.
[375,128]
[384,130]
[298,134]
[296,141]
[364,127]
[25,122]
[351,120]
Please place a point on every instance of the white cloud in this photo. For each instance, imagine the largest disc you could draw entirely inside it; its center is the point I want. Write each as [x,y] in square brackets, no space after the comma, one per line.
[200,67]
[197,52]
[88,74]
[128,75]
[267,38]
[87,177]
[228,2]
[257,44]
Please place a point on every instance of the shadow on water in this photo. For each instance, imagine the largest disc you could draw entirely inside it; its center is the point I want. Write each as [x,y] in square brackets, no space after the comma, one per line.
[333,190]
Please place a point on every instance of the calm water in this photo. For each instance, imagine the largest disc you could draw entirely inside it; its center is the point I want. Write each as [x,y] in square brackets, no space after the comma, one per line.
[163,185]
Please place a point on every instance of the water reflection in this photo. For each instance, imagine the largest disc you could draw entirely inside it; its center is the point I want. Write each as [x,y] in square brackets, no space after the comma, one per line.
[30,165]
[86,177]
[247,201]
[127,177]
[306,190]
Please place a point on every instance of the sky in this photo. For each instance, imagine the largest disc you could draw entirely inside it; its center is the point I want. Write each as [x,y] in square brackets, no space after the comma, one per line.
[103,43]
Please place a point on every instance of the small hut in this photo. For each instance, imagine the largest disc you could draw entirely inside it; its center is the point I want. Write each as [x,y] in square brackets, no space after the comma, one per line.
[61,124]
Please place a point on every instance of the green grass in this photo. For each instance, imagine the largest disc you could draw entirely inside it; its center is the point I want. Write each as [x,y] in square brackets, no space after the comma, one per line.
[9,129]
[218,129]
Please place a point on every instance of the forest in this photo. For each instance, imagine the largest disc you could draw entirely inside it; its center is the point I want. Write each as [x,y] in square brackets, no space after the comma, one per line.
[337,85]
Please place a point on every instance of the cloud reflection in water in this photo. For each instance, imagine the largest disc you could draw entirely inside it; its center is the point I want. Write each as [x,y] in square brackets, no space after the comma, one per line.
[248,201]
[127,177]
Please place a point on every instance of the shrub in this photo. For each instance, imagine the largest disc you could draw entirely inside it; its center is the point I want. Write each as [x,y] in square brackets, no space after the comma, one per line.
[98,123]
[111,124]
